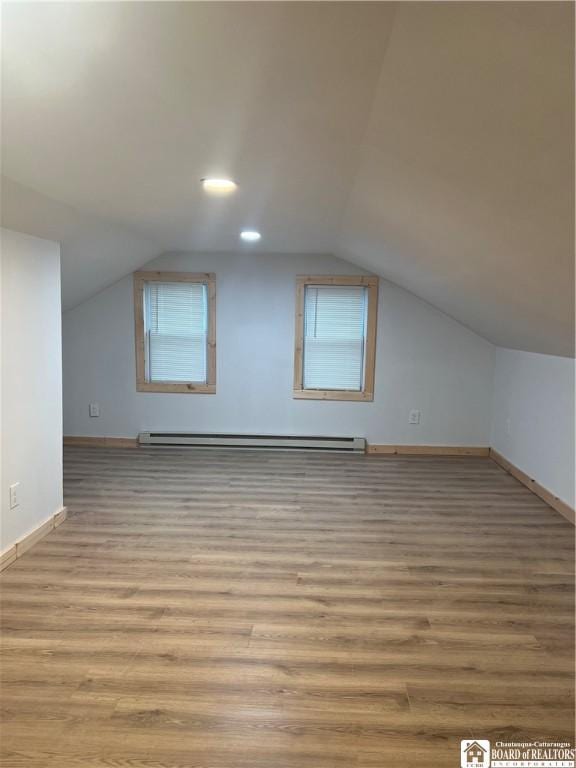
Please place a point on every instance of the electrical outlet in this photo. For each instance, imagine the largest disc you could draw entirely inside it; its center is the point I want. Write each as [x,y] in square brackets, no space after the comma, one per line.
[94,409]
[14,495]
[414,417]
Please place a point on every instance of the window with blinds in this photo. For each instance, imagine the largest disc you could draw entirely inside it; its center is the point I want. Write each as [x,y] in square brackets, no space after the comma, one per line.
[175,329]
[334,337]
[176,326]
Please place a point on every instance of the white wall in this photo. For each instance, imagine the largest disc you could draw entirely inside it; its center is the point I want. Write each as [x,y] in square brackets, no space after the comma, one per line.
[424,360]
[533,417]
[31,383]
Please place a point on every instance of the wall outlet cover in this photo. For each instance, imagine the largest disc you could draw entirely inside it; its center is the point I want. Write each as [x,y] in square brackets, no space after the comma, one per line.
[14,495]
[414,417]
[94,409]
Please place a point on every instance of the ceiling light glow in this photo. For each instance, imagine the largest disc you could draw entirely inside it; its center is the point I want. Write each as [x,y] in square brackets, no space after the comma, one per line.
[219,186]
[250,236]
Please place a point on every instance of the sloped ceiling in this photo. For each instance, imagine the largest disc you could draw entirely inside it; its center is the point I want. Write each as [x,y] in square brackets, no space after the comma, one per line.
[464,193]
[95,252]
[428,142]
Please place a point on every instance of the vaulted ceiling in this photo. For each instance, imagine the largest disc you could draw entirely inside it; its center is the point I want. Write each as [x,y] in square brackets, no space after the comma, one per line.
[428,142]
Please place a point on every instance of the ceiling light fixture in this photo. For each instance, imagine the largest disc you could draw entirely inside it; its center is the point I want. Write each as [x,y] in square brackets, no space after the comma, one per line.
[219,186]
[250,236]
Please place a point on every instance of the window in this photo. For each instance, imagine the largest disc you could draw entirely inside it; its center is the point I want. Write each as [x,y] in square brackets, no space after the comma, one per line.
[175,317]
[335,348]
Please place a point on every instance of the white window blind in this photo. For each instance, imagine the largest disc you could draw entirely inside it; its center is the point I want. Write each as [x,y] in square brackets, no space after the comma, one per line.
[334,337]
[175,323]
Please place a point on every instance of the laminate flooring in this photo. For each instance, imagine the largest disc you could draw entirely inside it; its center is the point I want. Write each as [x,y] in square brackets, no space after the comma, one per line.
[251,609]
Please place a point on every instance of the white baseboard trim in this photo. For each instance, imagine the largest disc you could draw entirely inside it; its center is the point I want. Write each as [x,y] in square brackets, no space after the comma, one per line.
[26,542]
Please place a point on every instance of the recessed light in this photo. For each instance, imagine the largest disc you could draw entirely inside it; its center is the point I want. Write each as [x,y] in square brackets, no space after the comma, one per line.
[219,186]
[250,235]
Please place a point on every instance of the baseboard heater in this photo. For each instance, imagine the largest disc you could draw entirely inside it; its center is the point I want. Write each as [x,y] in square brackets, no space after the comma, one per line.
[269,442]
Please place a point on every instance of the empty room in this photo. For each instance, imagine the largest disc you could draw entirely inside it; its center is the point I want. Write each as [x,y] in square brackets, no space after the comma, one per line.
[287,385]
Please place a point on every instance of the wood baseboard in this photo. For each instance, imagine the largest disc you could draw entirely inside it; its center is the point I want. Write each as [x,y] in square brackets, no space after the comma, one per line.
[17,550]
[8,557]
[553,501]
[106,442]
[408,450]
[428,450]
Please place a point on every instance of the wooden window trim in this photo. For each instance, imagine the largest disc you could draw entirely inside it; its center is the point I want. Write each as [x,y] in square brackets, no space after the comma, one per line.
[367,394]
[208,279]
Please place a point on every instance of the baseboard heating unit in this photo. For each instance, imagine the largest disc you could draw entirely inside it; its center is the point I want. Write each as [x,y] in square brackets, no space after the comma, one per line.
[274,442]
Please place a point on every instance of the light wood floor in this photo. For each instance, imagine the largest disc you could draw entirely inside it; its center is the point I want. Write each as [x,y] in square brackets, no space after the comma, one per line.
[275,610]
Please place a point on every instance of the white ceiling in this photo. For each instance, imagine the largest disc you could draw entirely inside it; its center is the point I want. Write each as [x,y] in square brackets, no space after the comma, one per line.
[429,142]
